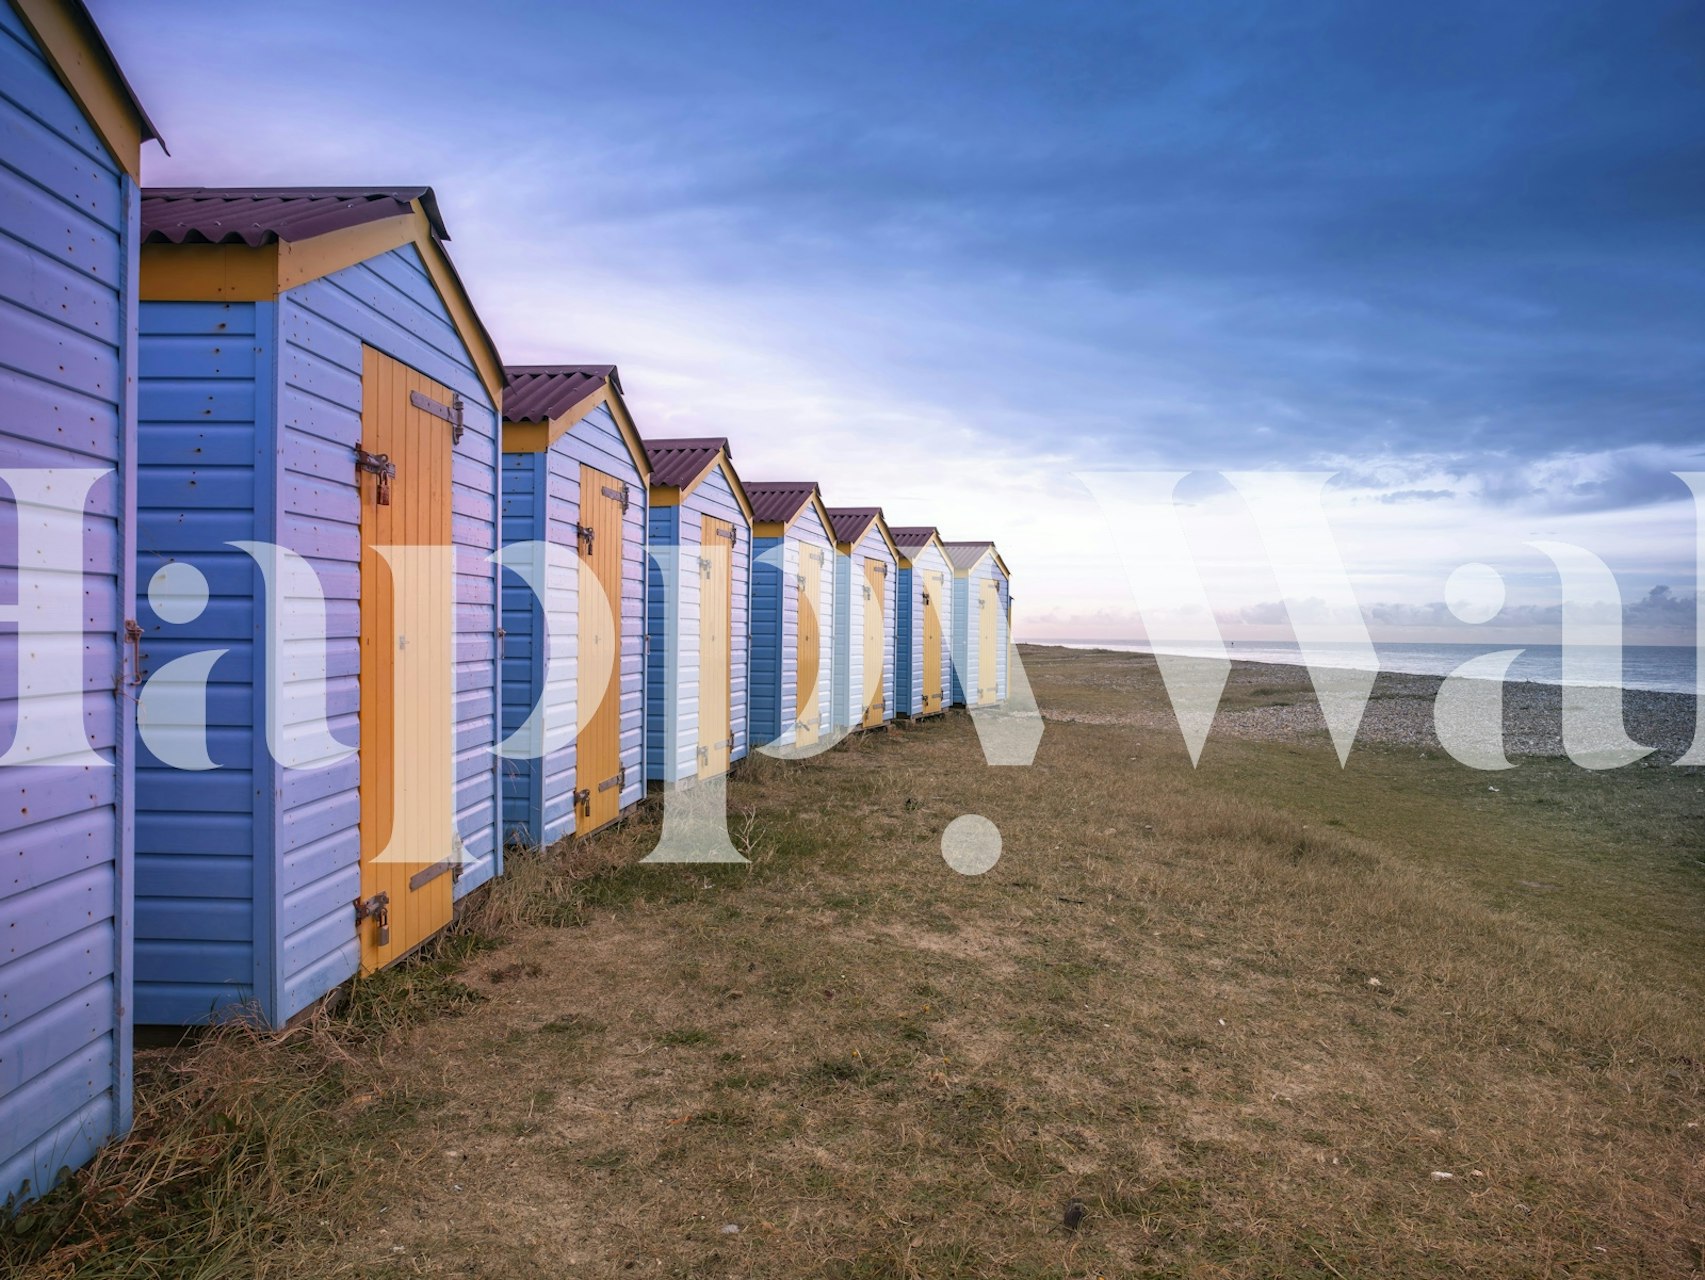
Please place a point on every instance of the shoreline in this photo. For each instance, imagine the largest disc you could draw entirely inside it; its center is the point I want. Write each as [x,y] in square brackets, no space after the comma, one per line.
[1399,710]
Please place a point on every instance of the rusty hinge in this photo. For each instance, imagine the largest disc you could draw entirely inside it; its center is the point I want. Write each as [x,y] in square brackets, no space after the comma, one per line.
[620,495]
[378,910]
[451,413]
[584,534]
[618,779]
[378,464]
[582,800]
[733,535]
[422,878]
[133,637]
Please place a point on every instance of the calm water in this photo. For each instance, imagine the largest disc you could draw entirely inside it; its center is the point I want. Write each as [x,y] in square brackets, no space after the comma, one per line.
[1669,668]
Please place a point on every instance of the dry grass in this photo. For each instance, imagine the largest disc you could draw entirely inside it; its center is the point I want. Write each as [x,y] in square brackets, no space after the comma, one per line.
[1243,1013]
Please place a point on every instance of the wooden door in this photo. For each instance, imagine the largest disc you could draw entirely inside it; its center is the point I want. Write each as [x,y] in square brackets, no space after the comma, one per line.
[409,847]
[875,577]
[810,640]
[598,776]
[935,587]
[716,608]
[988,613]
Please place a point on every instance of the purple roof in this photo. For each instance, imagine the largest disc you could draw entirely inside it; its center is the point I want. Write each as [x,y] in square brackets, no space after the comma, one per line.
[540,392]
[779,500]
[261,215]
[910,537]
[966,554]
[849,523]
[675,464]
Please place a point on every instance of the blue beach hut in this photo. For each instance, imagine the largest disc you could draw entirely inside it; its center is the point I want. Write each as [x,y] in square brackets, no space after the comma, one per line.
[981,623]
[793,593]
[575,478]
[866,588]
[698,602]
[70,159]
[924,642]
[319,478]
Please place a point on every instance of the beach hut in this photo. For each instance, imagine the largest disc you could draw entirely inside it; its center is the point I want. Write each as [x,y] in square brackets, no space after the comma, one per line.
[698,597]
[981,623]
[319,465]
[793,601]
[70,157]
[575,478]
[924,634]
[866,584]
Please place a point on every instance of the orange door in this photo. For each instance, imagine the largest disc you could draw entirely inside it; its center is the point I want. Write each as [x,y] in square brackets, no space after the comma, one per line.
[598,776]
[716,607]
[988,613]
[809,655]
[874,631]
[409,847]
[934,588]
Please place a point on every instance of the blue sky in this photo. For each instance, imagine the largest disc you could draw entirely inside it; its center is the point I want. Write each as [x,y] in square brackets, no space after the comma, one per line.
[943,257]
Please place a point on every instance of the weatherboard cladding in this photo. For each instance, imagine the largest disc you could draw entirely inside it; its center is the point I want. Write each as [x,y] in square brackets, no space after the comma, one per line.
[250,415]
[920,547]
[541,501]
[776,565]
[67,328]
[672,610]
[849,695]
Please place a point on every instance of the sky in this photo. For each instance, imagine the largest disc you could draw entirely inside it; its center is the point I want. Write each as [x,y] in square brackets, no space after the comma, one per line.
[949,258]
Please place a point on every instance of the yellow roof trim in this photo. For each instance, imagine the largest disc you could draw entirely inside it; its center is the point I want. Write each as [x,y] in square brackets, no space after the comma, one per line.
[87,70]
[536,437]
[663,495]
[846,548]
[239,273]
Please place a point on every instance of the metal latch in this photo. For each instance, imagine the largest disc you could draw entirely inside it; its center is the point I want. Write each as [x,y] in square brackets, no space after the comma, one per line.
[582,800]
[378,910]
[133,636]
[800,580]
[704,566]
[378,464]
[585,533]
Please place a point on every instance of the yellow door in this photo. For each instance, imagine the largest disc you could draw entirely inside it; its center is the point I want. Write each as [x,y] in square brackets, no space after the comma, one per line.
[875,577]
[810,640]
[408,840]
[988,611]
[716,607]
[935,587]
[598,777]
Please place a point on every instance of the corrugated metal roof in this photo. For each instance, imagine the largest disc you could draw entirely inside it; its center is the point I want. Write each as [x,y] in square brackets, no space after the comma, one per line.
[966,554]
[541,392]
[677,463]
[260,215]
[910,537]
[779,500]
[850,523]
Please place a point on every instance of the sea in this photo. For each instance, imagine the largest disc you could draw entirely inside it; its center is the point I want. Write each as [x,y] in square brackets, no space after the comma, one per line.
[1664,668]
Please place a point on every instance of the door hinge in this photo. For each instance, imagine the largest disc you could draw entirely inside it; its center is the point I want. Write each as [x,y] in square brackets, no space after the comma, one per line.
[378,910]
[451,413]
[501,633]
[733,535]
[618,779]
[378,464]
[620,495]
